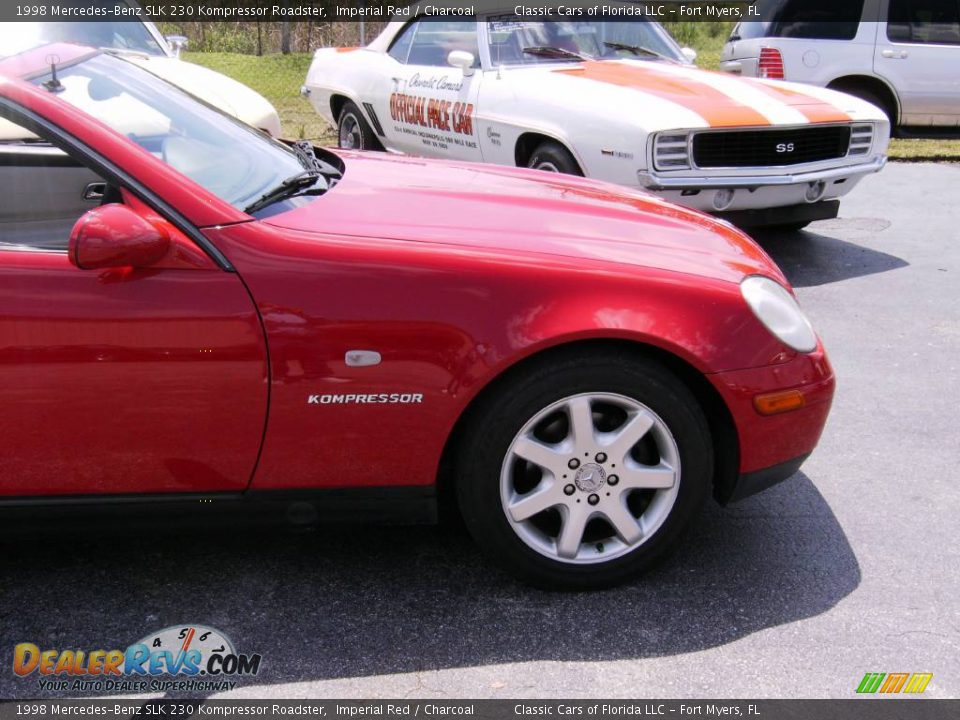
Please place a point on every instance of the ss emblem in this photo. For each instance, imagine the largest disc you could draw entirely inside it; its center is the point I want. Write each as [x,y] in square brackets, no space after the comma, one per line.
[785,147]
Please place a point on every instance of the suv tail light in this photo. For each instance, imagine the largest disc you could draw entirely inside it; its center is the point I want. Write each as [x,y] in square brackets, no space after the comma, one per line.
[771,64]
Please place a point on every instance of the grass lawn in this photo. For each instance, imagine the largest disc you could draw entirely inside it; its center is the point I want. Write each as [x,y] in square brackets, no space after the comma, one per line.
[279,77]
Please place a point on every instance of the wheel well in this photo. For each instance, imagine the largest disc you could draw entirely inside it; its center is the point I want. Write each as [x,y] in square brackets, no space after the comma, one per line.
[726,447]
[528,142]
[852,83]
[336,105]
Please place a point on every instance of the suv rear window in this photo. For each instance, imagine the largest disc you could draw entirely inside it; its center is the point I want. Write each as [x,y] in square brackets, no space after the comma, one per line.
[810,19]
[933,22]
[750,30]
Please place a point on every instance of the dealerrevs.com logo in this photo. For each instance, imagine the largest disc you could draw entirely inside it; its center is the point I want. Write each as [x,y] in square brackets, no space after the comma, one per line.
[178,658]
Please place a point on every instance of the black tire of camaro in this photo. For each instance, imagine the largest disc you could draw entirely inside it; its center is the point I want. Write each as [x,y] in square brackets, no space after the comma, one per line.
[368,140]
[496,422]
[550,154]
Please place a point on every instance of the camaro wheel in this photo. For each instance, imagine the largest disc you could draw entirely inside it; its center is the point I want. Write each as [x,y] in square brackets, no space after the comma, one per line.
[353,132]
[553,157]
[587,473]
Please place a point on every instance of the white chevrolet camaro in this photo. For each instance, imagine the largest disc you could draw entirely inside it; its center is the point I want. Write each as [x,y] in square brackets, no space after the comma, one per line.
[614,100]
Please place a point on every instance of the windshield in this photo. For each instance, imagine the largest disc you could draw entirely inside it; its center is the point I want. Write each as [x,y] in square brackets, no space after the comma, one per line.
[15,37]
[230,159]
[522,42]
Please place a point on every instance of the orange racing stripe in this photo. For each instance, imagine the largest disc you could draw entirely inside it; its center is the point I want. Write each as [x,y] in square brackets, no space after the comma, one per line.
[717,108]
[814,109]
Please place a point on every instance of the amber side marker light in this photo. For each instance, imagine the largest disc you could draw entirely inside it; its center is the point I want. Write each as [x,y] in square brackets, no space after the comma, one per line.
[779,402]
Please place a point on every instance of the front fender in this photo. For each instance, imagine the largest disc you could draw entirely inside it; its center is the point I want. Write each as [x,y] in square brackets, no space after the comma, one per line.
[447,322]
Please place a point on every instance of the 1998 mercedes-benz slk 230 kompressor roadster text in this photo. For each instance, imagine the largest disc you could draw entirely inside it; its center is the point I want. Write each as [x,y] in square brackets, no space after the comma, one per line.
[202,312]
[612,100]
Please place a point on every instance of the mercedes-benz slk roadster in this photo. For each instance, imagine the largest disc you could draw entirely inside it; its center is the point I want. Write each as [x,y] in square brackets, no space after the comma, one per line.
[196,313]
[614,100]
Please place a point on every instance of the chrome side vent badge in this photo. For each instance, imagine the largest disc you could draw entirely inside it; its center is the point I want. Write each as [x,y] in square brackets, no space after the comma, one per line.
[362,358]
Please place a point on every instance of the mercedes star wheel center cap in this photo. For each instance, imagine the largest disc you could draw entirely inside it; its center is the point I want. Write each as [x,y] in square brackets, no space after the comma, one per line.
[590,478]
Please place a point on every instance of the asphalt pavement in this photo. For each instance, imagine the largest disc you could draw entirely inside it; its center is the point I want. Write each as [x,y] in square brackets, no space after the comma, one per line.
[849,567]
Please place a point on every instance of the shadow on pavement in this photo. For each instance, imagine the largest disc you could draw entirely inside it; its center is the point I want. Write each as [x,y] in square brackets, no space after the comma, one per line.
[361,601]
[829,251]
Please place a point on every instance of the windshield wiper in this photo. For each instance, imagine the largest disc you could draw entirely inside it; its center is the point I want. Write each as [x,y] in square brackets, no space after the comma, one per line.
[125,51]
[637,50]
[554,52]
[308,158]
[289,187]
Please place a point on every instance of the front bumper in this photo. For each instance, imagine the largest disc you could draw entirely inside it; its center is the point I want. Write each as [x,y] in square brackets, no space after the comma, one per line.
[751,483]
[654,181]
[772,447]
[752,191]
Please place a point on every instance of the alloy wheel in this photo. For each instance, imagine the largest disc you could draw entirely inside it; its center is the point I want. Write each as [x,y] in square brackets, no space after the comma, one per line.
[590,477]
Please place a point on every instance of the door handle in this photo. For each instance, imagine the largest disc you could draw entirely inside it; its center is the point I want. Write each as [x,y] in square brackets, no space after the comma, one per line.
[895,54]
[94,191]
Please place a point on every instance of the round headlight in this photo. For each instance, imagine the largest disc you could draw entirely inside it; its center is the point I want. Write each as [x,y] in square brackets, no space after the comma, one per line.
[779,312]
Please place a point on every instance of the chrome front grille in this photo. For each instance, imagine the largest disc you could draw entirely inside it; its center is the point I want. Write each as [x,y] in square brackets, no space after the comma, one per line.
[760,147]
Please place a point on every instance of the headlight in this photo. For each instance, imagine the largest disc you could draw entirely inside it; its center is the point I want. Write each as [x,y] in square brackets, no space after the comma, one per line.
[779,312]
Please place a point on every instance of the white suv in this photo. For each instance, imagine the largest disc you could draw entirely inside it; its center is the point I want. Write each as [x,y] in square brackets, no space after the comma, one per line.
[901,55]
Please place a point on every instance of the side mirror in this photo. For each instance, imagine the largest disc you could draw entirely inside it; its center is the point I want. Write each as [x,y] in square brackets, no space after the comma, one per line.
[177,43]
[463,60]
[114,236]
[689,53]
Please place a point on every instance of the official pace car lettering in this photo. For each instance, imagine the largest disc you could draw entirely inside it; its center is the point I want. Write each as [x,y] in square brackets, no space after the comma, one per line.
[445,115]
[371,399]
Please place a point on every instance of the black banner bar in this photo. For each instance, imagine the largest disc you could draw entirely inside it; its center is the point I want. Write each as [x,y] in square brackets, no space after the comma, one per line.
[872,708]
[383,10]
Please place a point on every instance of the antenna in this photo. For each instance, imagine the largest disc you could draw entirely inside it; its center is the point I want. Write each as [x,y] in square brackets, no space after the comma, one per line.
[53,84]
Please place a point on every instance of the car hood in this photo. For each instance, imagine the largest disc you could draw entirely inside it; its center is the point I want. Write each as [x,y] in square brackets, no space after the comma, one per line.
[526,212]
[219,90]
[666,95]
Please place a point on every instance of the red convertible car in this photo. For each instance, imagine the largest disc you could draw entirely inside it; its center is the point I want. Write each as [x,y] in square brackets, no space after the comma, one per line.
[194,312]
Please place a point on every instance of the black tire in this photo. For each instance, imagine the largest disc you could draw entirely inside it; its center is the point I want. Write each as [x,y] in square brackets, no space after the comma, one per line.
[497,422]
[551,156]
[353,132]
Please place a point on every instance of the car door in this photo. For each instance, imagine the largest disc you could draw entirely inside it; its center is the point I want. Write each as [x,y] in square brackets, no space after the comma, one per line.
[428,106]
[117,381]
[918,53]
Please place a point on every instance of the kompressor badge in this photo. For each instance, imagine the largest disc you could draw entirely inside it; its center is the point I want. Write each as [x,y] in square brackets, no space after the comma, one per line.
[370,399]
